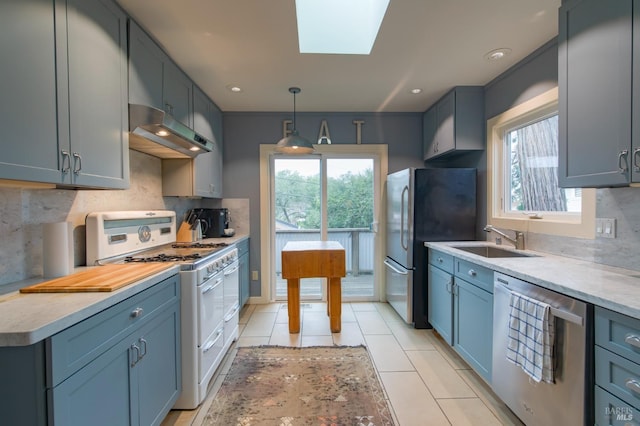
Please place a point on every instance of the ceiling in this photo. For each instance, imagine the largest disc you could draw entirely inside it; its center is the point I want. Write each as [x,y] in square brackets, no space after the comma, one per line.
[428,44]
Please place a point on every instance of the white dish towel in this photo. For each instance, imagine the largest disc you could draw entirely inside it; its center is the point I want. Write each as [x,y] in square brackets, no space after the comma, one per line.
[531,337]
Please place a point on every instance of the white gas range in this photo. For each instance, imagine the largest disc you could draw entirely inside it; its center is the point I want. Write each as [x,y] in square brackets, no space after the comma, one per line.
[209,285]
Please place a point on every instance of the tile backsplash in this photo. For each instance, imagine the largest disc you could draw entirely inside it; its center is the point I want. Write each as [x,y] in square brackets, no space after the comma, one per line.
[623,204]
[23,211]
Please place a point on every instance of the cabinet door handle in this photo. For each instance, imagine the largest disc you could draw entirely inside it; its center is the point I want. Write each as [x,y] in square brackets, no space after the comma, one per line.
[636,155]
[440,260]
[207,289]
[472,273]
[632,339]
[136,312]
[77,163]
[633,385]
[622,165]
[66,159]
[143,348]
[135,354]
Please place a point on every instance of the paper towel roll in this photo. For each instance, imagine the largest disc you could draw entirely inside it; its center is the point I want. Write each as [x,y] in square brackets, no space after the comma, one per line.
[57,249]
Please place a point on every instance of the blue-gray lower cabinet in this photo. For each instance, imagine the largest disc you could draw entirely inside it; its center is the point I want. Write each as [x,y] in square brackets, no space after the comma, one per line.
[617,368]
[136,380]
[245,277]
[440,302]
[460,308]
[120,366]
[473,315]
[473,318]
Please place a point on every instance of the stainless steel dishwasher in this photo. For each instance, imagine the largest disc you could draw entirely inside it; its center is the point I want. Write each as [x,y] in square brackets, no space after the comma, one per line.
[564,402]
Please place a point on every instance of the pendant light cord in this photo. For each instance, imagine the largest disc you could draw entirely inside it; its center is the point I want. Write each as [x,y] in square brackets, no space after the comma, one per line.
[294,111]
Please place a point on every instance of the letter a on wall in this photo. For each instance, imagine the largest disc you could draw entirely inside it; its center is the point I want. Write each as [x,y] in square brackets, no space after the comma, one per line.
[324,133]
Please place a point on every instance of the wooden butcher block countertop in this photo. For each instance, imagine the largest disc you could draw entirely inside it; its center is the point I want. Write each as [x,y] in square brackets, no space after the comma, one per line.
[102,278]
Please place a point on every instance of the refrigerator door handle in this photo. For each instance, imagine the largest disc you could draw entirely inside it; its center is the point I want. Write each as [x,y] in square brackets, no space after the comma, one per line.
[394,269]
[403,208]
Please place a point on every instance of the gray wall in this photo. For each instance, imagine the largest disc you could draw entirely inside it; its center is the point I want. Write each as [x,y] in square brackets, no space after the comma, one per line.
[532,76]
[244,132]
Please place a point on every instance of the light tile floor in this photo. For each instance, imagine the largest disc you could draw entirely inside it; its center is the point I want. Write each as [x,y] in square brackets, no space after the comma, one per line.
[425,381]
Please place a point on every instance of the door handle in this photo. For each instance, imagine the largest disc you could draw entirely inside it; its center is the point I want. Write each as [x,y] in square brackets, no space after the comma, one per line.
[66,159]
[77,163]
[622,165]
[403,207]
[394,269]
[135,354]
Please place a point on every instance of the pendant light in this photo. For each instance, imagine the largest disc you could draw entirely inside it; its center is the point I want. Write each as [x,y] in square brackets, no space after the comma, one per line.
[294,143]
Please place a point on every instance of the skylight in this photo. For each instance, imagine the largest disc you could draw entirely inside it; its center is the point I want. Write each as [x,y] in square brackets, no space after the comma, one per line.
[346,27]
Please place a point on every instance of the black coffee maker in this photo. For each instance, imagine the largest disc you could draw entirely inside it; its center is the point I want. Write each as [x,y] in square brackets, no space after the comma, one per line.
[217,221]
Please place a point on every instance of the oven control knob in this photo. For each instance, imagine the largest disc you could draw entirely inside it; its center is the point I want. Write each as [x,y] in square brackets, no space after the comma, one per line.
[144,233]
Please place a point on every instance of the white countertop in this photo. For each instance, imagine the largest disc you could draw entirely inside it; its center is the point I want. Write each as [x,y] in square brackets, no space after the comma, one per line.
[612,288]
[27,318]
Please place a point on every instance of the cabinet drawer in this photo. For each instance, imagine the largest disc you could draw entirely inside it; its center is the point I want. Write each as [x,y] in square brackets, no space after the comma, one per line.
[618,333]
[611,411]
[441,260]
[475,274]
[619,376]
[73,348]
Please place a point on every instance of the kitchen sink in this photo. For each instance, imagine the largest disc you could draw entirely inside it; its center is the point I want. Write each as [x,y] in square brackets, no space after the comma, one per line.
[491,251]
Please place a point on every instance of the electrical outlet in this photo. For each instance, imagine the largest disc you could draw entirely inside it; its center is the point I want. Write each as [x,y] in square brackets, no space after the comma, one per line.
[254,275]
[606,227]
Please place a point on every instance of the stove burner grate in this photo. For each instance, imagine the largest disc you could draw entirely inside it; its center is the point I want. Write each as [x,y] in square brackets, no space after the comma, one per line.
[163,258]
[199,245]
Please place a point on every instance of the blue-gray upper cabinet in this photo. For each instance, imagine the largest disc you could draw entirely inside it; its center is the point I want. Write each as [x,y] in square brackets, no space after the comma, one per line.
[66,80]
[92,87]
[598,67]
[202,176]
[455,123]
[155,80]
[207,120]
[29,125]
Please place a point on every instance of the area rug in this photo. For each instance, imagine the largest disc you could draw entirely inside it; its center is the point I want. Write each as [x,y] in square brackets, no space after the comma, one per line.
[283,386]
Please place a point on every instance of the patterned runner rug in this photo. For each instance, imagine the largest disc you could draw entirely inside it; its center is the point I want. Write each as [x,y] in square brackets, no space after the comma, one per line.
[284,386]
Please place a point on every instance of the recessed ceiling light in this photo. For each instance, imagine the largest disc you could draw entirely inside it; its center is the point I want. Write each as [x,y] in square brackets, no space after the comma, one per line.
[497,54]
[234,89]
[416,91]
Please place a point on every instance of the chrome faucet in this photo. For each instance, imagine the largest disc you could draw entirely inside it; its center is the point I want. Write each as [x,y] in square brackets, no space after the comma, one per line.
[518,241]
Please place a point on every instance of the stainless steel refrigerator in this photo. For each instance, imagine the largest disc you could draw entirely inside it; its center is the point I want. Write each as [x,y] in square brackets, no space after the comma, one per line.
[436,204]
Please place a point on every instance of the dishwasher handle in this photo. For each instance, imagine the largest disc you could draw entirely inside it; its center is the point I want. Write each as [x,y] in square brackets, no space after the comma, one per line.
[556,312]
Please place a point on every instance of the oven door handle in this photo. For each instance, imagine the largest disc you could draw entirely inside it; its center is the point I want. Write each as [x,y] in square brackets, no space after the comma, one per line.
[208,289]
[236,308]
[231,271]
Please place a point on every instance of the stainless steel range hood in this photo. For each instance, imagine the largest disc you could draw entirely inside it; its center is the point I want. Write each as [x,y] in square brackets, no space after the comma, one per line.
[157,133]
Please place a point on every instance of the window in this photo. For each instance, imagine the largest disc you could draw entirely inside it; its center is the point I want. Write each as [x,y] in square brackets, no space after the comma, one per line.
[523,174]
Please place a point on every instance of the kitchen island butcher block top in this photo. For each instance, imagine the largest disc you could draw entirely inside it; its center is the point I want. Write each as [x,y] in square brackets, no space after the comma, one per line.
[613,288]
[27,318]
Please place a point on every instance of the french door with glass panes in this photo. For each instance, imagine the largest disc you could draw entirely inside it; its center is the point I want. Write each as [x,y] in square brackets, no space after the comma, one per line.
[326,197]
